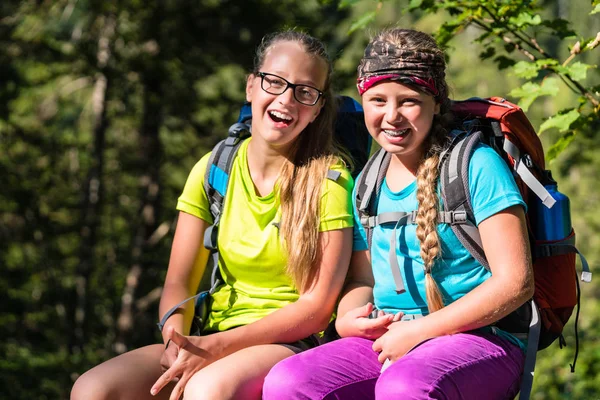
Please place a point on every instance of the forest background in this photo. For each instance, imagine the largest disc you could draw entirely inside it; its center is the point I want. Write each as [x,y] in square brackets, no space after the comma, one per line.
[105,106]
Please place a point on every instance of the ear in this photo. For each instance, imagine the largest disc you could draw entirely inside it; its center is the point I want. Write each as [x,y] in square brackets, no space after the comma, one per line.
[249,87]
[318,108]
[437,109]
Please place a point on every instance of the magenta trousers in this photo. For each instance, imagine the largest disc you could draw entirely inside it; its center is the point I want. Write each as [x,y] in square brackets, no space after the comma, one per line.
[464,366]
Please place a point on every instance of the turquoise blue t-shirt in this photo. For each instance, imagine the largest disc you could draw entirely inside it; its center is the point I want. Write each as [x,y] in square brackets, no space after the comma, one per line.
[456,272]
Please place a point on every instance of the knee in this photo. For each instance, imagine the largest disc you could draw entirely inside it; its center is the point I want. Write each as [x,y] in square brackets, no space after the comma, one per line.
[89,387]
[287,380]
[207,386]
[394,388]
[402,382]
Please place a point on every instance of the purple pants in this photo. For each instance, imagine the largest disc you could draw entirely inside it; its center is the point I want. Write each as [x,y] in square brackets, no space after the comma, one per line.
[469,365]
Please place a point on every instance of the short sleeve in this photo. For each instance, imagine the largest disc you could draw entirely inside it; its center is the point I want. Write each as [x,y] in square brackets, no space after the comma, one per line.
[193,199]
[491,183]
[336,201]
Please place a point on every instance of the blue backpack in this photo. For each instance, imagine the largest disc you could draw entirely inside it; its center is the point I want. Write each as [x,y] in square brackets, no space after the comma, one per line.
[350,133]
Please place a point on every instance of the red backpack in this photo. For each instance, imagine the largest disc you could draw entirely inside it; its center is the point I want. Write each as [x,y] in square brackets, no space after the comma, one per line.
[505,127]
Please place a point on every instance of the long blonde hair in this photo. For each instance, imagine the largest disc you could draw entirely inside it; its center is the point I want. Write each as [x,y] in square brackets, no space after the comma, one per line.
[304,172]
[428,171]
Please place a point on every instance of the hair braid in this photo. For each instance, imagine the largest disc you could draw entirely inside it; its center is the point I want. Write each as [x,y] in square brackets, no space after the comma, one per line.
[427,213]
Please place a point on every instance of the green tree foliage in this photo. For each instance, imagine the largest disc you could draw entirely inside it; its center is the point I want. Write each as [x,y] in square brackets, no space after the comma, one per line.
[544,56]
[509,31]
[106,106]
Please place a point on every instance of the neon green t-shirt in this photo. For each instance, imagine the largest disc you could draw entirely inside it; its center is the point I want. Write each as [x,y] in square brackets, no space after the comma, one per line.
[252,260]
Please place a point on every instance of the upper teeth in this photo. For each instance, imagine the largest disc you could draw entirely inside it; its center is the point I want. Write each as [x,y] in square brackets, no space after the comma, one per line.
[281,115]
[394,132]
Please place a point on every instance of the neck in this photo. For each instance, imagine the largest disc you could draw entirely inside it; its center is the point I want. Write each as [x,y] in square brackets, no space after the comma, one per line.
[265,163]
[402,172]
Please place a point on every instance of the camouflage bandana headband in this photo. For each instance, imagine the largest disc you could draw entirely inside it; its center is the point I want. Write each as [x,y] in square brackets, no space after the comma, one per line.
[383,60]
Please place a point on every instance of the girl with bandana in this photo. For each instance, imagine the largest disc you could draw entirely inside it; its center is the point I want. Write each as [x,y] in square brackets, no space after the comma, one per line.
[285,241]
[435,339]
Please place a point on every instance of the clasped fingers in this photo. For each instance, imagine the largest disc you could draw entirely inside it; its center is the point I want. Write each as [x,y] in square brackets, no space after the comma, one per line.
[373,328]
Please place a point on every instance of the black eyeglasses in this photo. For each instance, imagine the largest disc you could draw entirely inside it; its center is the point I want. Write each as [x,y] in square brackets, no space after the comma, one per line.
[303,94]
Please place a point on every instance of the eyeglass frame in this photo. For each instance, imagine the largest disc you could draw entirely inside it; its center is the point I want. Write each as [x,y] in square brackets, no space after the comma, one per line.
[288,85]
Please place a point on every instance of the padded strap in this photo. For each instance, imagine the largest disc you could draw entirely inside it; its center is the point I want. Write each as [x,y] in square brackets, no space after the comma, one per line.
[387,218]
[455,192]
[368,181]
[566,246]
[333,175]
[401,218]
[527,176]
[531,354]
[395,267]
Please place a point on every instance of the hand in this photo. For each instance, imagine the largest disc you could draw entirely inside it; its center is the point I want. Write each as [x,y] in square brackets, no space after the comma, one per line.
[357,322]
[169,355]
[191,357]
[399,339]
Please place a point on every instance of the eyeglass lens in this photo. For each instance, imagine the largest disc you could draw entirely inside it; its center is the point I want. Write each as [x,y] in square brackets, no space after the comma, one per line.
[304,94]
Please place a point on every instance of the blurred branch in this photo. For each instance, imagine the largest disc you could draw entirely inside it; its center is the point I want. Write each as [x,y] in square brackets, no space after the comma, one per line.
[143,303]
[93,187]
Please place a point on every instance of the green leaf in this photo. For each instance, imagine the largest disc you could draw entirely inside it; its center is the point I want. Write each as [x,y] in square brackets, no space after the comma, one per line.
[562,122]
[526,70]
[560,145]
[504,62]
[347,3]
[447,32]
[531,91]
[526,19]
[577,71]
[546,62]
[561,27]
[487,53]
[509,47]
[414,4]
[596,9]
[363,21]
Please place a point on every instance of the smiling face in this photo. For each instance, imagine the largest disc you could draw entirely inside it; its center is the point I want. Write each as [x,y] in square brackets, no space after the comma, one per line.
[399,118]
[279,119]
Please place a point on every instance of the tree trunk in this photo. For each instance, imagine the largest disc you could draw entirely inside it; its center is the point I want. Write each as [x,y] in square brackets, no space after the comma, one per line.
[92,201]
[151,157]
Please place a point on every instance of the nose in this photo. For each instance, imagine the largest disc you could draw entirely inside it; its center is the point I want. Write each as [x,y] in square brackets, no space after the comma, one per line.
[392,114]
[287,97]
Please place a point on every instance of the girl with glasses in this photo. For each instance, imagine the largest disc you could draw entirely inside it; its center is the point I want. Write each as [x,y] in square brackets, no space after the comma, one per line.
[434,340]
[285,241]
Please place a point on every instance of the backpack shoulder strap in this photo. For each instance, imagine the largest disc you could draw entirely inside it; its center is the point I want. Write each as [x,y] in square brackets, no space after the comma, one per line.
[218,170]
[456,196]
[368,186]
[369,179]
[216,180]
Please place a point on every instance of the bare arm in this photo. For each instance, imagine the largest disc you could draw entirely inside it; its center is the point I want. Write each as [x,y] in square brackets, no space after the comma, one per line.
[357,302]
[311,313]
[504,237]
[358,289]
[186,267]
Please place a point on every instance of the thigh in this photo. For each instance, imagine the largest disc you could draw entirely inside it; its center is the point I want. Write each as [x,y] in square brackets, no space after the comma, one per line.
[343,369]
[237,376]
[462,366]
[128,376]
